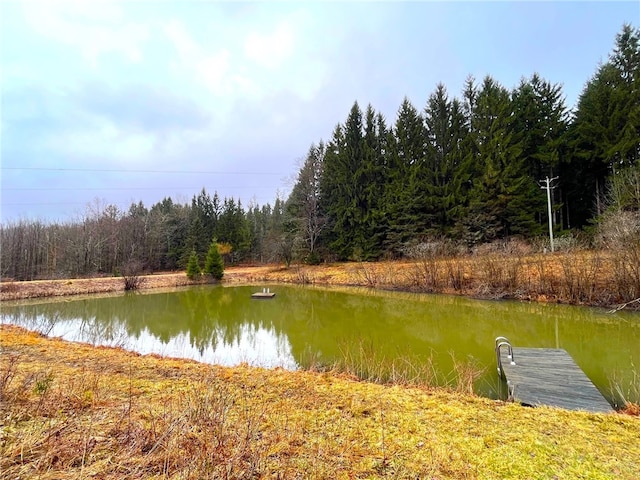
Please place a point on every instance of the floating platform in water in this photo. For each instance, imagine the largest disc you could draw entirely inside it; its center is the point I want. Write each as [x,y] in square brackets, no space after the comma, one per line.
[263,294]
[547,376]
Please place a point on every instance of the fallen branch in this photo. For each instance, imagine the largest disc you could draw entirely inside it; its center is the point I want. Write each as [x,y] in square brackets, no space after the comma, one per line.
[620,307]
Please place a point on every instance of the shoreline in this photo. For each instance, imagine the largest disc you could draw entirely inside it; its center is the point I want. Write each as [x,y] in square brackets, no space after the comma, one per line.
[38,289]
[75,410]
[72,410]
[581,279]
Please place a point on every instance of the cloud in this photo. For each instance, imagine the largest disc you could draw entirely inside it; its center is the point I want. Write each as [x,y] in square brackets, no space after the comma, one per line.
[129,126]
[213,71]
[270,50]
[211,65]
[99,141]
[142,107]
[91,28]
[195,58]
[244,87]
[253,60]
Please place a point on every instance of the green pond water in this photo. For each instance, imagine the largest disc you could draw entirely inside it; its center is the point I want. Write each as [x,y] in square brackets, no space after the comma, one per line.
[376,331]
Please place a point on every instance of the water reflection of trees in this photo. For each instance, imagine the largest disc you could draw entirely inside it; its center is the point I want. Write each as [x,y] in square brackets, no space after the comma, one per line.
[319,324]
[208,316]
[322,324]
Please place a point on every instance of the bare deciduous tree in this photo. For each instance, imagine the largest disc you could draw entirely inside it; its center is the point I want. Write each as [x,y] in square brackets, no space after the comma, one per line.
[304,203]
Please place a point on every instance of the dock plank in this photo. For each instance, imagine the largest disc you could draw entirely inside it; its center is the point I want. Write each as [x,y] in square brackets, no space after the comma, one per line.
[549,376]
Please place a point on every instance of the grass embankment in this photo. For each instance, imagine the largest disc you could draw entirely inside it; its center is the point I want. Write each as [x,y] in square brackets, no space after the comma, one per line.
[605,278]
[70,410]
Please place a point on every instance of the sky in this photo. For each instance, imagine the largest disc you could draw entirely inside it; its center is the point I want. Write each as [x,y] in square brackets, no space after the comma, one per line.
[109,103]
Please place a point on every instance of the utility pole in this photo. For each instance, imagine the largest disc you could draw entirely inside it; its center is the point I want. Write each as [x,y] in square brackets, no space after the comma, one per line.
[548,188]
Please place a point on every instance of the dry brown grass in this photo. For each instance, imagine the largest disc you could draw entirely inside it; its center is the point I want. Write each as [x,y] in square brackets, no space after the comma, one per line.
[75,411]
[607,278]
[580,278]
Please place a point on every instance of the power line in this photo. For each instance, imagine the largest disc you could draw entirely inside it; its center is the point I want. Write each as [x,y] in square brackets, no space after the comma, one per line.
[116,170]
[42,203]
[62,189]
[123,203]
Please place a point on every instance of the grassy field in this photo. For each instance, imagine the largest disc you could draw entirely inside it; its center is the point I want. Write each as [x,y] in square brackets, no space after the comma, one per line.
[74,411]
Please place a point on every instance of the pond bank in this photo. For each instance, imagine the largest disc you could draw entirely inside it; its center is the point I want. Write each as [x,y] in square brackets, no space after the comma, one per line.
[578,278]
[70,410]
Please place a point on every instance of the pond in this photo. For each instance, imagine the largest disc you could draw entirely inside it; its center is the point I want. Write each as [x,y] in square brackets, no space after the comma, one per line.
[377,333]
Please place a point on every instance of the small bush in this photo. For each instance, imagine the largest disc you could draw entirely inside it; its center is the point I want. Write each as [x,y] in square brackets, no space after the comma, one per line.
[455,273]
[618,229]
[131,273]
[302,277]
[579,282]
[214,265]
[193,267]
[433,248]
[132,282]
[513,246]
[313,258]
[8,369]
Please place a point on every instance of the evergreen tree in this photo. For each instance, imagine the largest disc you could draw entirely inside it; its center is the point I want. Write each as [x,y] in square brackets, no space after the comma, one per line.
[443,194]
[195,237]
[169,224]
[193,266]
[406,175]
[625,59]
[605,134]
[282,233]
[203,220]
[541,121]
[375,149]
[331,190]
[233,228]
[503,197]
[344,190]
[469,157]
[354,233]
[258,222]
[214,266]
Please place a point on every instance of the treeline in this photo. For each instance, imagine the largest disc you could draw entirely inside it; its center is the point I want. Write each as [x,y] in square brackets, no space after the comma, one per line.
[474,168]
[109,241]
[469,169]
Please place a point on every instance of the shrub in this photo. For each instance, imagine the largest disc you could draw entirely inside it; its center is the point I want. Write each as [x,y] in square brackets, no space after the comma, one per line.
[131,273]
[433,248]
[213,265]
[618,229]
[193,266]
[313,258]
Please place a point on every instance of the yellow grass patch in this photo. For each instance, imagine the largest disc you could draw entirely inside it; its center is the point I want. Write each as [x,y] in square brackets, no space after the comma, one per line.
[70,410]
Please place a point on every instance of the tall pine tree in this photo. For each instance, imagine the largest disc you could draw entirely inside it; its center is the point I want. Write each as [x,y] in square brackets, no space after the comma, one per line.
[503,197]
[443,192]
[344,189]
[605,133]
[406,179]
[541,120]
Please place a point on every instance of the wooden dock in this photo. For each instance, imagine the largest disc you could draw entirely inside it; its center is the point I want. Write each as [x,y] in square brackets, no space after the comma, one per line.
[548,376]
[263,295]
